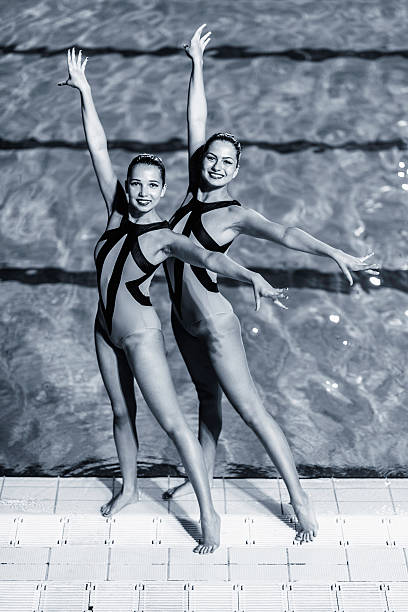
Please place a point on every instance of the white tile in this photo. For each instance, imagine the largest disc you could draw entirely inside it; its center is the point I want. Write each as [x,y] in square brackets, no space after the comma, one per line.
[183,556]
[329,533]
[271,531]
[235,531]
[26,506]
[19,596]
[128,531]
[316,494]
[259,573]
[398,528]
[357,495]
[86,530]
[111,597]
[172,531]
[192,572]
[35,530]
[139,556]
[380,508]
[30,481]
[23,572]
[359,483]
[401,508]
[77,555]
[223,598]
[397,483]
[84,494]
[29,493]
[399,494]
[161,483]
[29,555]
[249,508]
[312,598]
[191,508]
[326,574]
[361,597]
[316,483]
[67,597]
[86,482]
[77,506]
[8,530]
[397,596]
[325,507]
[68,571]
[257,483]
[252,494]
[367,530]
[145,507]
[137,573]
[317,555]
[160,597]
[247,555]
[272,597]
[371,563]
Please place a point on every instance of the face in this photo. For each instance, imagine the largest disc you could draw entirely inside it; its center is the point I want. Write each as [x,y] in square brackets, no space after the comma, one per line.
[219,164]
[145,188]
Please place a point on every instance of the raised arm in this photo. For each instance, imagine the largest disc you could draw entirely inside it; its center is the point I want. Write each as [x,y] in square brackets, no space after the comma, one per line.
[181,247]
[196,101]
[94,132]
[254,224]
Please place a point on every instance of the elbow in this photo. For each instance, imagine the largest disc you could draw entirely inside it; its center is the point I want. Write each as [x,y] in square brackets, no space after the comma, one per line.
[289,236]
[211,261]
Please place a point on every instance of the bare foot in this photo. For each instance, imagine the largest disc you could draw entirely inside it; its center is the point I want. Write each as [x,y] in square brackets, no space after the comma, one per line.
[210,530]
[307,522]
[185,488]
[119,501]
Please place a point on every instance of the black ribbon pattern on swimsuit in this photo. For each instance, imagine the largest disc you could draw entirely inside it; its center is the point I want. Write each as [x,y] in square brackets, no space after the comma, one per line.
[194,226]
[130,246]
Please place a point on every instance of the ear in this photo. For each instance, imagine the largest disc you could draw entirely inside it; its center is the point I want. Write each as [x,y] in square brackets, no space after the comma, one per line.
[163,191]
[235,172]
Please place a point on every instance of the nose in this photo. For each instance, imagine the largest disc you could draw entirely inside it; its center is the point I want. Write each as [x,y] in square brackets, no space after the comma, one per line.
[142,190]
[216,165]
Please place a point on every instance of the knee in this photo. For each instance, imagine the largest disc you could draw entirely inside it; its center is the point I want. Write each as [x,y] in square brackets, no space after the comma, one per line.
[254,416]
[120,413]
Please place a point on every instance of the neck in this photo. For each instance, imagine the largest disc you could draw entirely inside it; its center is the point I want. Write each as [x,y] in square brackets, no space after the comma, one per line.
[136,216]
[217,194]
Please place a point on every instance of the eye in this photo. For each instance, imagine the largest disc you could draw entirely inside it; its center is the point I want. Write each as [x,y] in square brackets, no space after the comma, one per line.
[228,162]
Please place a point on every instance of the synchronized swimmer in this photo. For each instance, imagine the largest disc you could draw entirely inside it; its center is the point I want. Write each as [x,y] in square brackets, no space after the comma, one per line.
[128,337]
[205,327]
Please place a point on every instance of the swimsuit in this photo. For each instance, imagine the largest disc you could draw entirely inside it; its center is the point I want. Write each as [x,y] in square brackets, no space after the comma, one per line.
[124,276]
[194,291]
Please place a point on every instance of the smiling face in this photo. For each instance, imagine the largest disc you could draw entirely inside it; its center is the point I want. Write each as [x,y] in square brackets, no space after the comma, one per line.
[219,165]
[145,187]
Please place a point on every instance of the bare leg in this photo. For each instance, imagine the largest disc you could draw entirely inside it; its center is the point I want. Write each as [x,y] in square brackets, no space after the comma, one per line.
[118,380]
[195,355]
[146,356]
[227,355]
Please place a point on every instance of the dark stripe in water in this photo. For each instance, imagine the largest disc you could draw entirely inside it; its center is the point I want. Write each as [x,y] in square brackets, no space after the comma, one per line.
[301,54]
[176,144]
[300,278]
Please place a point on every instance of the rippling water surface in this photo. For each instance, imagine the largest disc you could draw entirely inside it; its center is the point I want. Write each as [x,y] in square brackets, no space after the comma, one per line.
[318,93]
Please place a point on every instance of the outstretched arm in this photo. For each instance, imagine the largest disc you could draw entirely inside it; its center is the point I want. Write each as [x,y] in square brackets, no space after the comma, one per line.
[255,224]
[94,132]
[181,247]
[196,101]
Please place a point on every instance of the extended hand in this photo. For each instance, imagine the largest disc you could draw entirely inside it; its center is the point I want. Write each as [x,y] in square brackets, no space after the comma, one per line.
[262,288]
[349,263]
[195,49]
[76,70]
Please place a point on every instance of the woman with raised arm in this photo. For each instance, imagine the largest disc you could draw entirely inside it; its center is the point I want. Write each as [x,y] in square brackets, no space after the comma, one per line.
[128,337]
[206,329]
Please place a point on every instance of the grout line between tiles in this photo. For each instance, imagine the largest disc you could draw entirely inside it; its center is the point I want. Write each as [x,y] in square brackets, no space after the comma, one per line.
[3,478]
[56,495]
[108,565]
[348,565]
[225,495]
[168,564]
[335,495]
[392,499]
[47,571]
[288,564]
[228,565]
[405,557]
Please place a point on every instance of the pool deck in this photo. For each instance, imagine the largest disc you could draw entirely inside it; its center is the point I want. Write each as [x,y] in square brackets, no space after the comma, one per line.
[59,554]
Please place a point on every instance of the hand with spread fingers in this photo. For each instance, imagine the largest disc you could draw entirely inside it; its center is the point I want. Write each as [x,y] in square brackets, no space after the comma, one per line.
[196,47]
[262,289]
[348,263]
[76,70]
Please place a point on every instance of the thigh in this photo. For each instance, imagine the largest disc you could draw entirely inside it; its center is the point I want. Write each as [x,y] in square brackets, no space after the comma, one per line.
[227,355]
[146,355]
[115,371]
[195,355]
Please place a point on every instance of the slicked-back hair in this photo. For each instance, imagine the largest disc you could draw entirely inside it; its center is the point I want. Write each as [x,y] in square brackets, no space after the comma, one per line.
[225,136]
[148,160]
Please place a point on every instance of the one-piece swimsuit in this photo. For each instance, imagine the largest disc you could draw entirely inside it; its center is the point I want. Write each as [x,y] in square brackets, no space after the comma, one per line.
[194,291]
[123,277]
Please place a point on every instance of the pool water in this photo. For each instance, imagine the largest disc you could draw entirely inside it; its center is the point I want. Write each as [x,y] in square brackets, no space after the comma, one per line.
[318,93]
